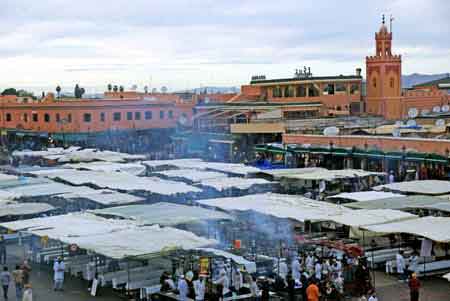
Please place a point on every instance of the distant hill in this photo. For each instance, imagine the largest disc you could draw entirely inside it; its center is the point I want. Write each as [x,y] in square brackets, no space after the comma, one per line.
[413,79]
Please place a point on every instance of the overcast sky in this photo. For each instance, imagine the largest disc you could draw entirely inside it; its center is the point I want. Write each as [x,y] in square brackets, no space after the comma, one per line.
[191,43]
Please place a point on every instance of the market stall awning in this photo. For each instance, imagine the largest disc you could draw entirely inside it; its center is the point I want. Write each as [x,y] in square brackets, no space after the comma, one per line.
[11,208]
[362,196]
[192,175]
[164,214]
[222,184]
[250,266]
[429,187]
[358,218]
[112,238]
[331,175]
[433,228]
[405,202]
[279,205]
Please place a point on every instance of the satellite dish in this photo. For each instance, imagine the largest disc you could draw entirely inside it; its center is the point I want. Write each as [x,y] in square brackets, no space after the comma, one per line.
[436,109]
[411,123]
[413,112]
[331,131]
[425,112]
[399,123]
[396,132]
[440,122]
[445,108]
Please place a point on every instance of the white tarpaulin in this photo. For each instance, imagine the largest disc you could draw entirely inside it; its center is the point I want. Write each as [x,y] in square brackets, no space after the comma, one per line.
[279,205]
[358,218]
[430,187]
[250,266]
[434,228]
[118,180]
[193,175]
[5,177]
[233,168]
[10,208]
[363,196]
[104,197]
[164,214]
[221,184]
[405,202]
[44,189]
[112,238]
[136,169]
[447,276]
[75,154]
[286,172]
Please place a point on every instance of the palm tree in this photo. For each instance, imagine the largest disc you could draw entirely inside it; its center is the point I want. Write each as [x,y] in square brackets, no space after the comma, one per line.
[110,87]
[115,88]
[121,89]
[58,91]
[146,89]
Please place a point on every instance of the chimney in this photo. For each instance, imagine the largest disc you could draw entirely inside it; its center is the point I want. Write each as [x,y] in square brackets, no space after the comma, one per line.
[358,71]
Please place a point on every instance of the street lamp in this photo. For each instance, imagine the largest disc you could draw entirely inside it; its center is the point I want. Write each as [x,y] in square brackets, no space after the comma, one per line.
[62,122]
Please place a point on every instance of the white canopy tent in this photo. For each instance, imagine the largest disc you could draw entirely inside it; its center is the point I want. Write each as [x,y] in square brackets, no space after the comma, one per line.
[331,175]
[11,208]
[363,196]
[428,187]
[250,266]
[119,181]
[279,205]
[193,175]
[433,228]
[136,169]
[104,196]
[363,217]
[221,184]
[112,238]
[166,214]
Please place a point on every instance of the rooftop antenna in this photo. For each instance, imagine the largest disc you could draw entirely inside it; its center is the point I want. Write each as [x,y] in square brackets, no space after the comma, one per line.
[390,23]
[383,19]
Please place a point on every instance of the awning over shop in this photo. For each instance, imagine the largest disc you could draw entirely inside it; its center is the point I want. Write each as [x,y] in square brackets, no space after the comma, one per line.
[433,228]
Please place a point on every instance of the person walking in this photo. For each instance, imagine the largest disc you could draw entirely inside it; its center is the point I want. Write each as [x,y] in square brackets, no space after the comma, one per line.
[58,269]
[5,278]
[401,266]
[26,271]
[17,275]
[312,292]
[414,287]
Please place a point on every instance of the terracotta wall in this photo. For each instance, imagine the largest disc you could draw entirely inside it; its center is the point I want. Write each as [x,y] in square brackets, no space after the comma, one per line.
[436,146]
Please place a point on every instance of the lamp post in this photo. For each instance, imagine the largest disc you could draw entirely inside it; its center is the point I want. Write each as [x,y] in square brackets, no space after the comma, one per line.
[62,122]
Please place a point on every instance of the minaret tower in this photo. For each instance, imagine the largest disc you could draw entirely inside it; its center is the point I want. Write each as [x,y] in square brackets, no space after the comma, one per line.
[383,76]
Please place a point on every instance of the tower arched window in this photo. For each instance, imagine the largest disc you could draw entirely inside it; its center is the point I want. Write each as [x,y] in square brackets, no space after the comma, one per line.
[391,82]
[374,82]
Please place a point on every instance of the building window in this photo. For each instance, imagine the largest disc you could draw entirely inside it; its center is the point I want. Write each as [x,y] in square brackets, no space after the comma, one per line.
[328,89]
[374,82]
[47,117]
[391,82]
[288,92]
[276,92]
[301,91]
[57,117]
[354,89]
[137,115]
[117,116]
[170,114]
[161,114]
[340,87]
[102,117]
[25,117]
[35,117]
[148,115]
[69,118]
[129,115]
[8,117]
[87,117]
